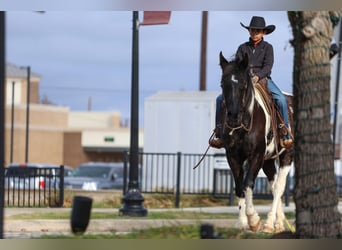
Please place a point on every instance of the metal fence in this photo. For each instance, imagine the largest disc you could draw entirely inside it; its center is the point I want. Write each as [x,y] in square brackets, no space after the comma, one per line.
[167,172]
[174,173]
[35,189]
[164,173]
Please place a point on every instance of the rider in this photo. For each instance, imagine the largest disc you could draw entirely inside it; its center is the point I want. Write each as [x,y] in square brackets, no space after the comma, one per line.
[261,59]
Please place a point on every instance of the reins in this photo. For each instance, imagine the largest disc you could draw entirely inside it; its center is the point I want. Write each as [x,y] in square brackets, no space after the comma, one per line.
[205,153]
[242,126]
[230,133]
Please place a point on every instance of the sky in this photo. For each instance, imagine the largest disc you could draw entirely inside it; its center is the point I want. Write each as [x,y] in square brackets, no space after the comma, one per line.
[88,54]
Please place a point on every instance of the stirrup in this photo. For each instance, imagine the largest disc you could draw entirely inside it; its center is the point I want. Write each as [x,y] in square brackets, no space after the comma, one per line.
[286,143]
[216,143]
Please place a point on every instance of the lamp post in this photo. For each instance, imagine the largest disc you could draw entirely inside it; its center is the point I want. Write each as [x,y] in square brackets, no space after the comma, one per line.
[133,199]
[28,68]
[12,122]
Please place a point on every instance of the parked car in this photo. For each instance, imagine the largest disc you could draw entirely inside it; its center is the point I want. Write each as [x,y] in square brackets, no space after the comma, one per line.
[96,176]
[32,175]
[68,171]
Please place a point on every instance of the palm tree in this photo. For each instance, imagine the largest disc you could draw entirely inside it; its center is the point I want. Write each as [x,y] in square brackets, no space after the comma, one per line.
[315,187]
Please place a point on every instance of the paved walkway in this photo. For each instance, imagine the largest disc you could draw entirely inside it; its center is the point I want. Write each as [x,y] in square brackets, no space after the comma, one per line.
[36,228]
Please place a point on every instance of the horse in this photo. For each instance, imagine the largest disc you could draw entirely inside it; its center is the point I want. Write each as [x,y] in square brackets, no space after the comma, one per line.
[251,144]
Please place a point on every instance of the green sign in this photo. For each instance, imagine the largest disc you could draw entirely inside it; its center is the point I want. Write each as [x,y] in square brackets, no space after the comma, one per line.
[109,139]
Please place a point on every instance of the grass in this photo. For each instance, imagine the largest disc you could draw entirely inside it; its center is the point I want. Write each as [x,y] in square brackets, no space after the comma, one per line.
[167,215]
[175,232]
[114,200]
[153,201]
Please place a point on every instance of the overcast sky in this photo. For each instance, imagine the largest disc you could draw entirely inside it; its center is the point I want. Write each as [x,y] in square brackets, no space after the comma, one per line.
[88,53]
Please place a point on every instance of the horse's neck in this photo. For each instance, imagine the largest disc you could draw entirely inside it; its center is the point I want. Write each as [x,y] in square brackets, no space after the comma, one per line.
[252,98]
[260,97]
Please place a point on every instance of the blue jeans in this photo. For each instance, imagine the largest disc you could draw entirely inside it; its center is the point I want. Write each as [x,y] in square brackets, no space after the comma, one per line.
[280,100]
[278,97]
[218,109]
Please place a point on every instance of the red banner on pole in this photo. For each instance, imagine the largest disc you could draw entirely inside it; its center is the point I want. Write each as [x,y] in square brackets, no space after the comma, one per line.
[156,17]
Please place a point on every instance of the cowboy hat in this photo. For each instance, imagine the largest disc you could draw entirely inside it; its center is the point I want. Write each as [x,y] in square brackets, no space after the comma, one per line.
[258,22]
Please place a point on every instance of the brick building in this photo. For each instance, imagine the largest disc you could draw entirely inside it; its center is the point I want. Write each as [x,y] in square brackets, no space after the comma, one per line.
[56,134]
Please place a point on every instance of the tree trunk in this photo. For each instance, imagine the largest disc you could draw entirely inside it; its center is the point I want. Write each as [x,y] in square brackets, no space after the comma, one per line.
[315,186]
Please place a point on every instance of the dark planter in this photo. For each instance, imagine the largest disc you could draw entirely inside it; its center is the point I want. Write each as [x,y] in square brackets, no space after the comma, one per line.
[80,214]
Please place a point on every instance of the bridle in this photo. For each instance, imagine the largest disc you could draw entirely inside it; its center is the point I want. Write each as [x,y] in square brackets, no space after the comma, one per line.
[241,125]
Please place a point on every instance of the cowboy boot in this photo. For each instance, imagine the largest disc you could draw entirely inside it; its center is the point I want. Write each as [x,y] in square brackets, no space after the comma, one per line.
[216,141]
[286,143]
[287,140]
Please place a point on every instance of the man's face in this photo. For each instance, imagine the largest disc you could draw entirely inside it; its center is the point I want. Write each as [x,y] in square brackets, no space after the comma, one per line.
[256,34]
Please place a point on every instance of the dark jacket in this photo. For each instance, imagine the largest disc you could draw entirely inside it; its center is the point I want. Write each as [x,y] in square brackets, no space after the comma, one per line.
[261,57]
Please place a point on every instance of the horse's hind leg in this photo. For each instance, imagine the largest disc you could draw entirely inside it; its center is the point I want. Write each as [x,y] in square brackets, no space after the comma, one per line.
[275,218]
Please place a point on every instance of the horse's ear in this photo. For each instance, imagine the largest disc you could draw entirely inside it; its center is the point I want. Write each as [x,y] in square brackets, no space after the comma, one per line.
[223,61]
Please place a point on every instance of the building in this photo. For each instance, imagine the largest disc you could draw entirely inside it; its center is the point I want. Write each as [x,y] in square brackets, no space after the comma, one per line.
[180,121]
[56,134]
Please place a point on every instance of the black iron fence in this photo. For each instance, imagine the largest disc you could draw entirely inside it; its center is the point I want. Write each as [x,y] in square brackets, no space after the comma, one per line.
[164,173]
[174,173]
[26,187]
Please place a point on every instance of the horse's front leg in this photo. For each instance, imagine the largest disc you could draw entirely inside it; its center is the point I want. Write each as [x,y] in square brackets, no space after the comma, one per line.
[243,221]
[251,169]
[275,218]
[253,217]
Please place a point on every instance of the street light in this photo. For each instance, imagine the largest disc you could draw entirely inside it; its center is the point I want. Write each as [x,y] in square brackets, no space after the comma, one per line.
[133,199]
[28,68]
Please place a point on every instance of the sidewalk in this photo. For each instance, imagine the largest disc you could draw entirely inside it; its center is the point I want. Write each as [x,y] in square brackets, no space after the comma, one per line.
[219,209]
[36,228]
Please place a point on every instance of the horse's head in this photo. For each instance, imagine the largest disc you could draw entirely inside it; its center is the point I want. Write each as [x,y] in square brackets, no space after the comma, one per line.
[237,89]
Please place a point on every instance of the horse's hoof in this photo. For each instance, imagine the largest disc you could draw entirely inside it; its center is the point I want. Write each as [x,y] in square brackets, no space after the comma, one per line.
[279,229]
[268,229]
[257,227]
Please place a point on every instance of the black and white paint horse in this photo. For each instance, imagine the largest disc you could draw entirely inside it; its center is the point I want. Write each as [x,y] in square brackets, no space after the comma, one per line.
[250,145]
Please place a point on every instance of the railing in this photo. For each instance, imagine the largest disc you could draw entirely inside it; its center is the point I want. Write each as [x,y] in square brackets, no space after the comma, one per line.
[173,173]
[37,189]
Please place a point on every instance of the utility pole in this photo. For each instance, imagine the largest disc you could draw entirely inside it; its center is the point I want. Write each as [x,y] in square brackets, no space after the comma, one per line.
[203,63]
[337,90]
[2,118]
[28,70]
[12,123]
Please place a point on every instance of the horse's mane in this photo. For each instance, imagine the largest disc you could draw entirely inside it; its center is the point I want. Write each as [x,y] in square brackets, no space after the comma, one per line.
[232,63]
[232,59]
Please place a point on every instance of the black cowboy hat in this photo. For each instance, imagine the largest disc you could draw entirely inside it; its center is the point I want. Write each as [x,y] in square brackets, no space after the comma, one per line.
[258,22]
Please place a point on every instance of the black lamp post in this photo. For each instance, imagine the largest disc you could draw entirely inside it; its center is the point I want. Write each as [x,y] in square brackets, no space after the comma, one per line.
[28,68]
[133,199]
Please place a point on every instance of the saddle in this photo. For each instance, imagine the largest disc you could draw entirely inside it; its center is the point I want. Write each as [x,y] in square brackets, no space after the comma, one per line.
[277,122]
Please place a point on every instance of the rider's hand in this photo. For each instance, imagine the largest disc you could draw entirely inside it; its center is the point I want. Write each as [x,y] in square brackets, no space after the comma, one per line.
[255,79]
